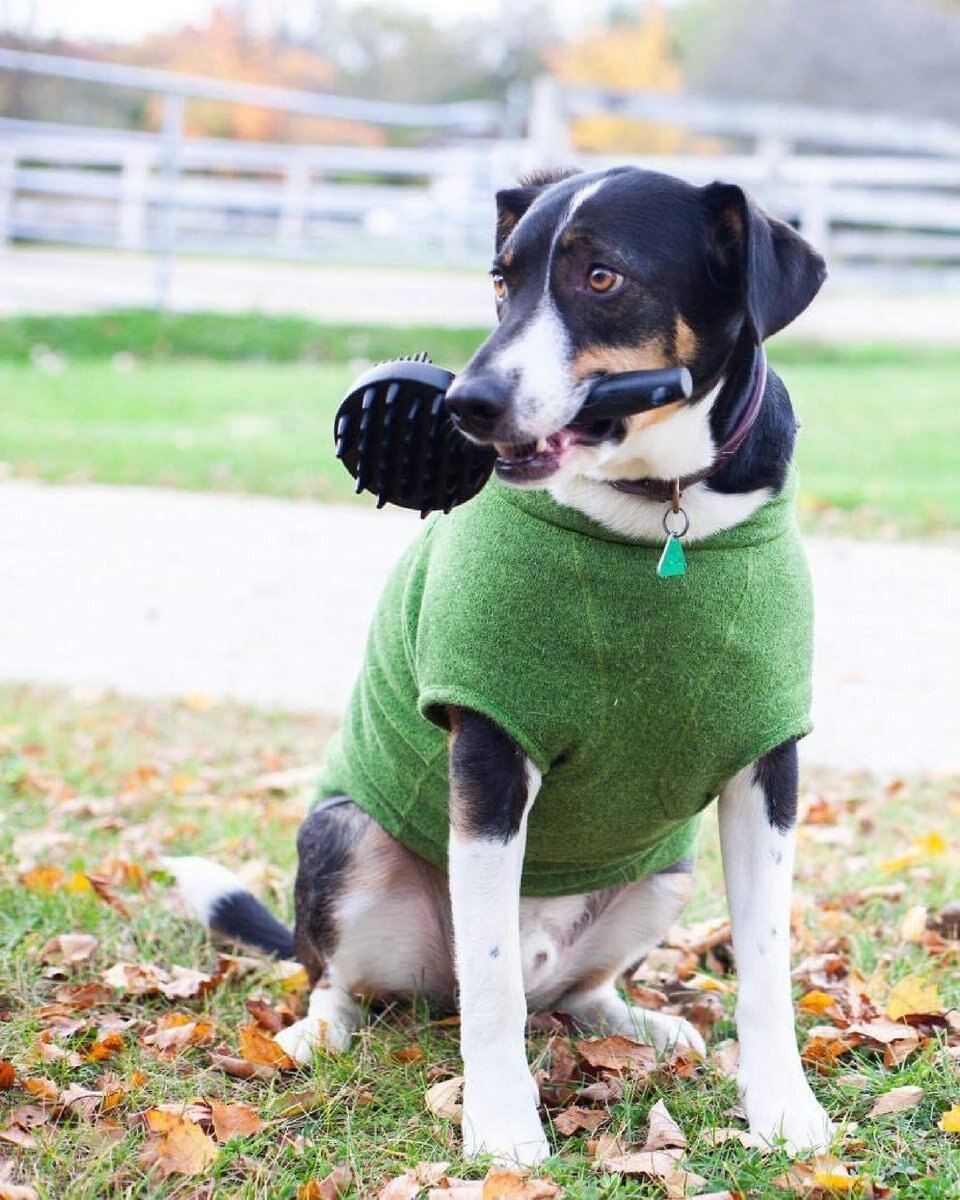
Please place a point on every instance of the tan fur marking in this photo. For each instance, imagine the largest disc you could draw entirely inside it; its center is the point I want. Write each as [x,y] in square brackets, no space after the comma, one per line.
[614,359]
[507,256]
[686,341]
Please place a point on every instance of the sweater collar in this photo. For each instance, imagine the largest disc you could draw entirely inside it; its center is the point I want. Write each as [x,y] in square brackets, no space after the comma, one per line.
[771,520]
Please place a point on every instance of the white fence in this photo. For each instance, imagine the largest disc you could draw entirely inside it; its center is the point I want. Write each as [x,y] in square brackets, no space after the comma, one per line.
[867,190]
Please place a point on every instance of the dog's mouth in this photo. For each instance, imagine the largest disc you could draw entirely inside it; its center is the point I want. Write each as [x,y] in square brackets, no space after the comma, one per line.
[529,462]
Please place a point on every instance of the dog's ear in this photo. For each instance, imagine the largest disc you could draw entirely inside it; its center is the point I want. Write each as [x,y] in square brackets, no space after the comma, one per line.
[778,273]
[514,202]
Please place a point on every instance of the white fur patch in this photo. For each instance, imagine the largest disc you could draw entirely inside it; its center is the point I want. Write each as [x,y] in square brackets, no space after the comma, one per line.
[582,195]
[758,870]
[202,883]
[546,396]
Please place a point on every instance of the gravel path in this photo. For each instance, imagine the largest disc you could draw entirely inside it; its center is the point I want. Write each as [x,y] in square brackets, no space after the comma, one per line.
[267,601]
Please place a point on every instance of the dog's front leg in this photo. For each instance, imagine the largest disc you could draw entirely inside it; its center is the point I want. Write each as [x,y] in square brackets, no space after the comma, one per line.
[757,835]
[492,785]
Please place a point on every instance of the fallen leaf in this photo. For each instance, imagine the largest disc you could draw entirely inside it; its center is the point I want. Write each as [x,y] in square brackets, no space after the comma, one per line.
[950,1120]
[816,1002]
[183,1150]
[44,1089]
[619,1054]
[174,1032]
[240,1068]
[912,996]
[445,1099]
[884,1031]
[331,1187]
[68,949]
[17,1136]
[43,879]
[896,1100]
[266,1015]
[234,1120]
[501,1184]
[750,1141]
[8,1074]
[408,1054]
[664,1132]
[104,890]
[107,1047]
[14,1191]
[913,924]
[259,1047]
[573,1119]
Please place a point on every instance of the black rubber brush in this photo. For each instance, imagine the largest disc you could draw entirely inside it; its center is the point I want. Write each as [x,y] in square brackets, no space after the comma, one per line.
[396,438]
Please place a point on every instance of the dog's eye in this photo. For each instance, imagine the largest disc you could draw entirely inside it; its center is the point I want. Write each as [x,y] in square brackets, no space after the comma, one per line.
[499,285]
[603,279]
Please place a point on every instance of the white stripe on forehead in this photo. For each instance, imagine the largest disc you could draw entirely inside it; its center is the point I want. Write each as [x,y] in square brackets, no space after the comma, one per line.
[579,197]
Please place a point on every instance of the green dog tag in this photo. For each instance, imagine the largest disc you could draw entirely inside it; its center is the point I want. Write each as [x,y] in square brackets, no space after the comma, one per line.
[673,561]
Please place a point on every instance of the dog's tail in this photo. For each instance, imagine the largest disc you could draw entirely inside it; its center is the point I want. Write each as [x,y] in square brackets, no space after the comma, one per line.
[224,904]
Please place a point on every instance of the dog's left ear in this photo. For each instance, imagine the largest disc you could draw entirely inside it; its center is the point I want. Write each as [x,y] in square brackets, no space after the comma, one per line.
[777,271]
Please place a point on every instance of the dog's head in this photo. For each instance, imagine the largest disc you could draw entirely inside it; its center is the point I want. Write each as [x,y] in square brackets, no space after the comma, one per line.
[620,271]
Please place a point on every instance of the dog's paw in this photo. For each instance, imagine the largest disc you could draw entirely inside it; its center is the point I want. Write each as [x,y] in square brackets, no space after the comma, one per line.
[791,1116]
[665,1032]
[330,1023]
[500,1119]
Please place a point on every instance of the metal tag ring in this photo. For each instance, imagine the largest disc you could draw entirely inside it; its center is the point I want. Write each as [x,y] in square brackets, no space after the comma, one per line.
[677,533]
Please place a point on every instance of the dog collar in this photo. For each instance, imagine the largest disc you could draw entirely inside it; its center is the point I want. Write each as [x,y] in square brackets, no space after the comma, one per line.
[665,490]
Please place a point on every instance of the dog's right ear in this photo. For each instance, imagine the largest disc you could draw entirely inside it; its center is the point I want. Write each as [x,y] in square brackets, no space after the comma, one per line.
[512,203]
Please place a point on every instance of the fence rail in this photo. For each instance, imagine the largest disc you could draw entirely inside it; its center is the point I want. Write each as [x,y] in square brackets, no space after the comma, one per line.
[875,191]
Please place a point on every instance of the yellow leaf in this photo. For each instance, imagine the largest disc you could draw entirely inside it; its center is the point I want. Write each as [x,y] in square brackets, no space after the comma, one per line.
[816,1002]
[42,879]
[931,843]
[913,995]
[950,1121]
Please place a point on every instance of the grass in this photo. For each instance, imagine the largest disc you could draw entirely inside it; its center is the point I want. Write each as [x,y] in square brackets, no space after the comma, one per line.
[92,781]
[246,404]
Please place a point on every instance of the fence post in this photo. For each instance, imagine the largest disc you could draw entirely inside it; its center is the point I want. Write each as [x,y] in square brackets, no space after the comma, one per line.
[547,139]
[171,138]
[815,217]
[293,203]
[134,187]
[8,173]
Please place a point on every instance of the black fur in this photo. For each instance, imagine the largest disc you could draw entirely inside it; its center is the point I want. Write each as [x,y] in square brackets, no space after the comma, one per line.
[242,918]
[488,779]
[325,844]
[777,773]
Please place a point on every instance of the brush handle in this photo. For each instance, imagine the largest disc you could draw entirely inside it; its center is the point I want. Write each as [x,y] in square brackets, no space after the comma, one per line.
[631,392]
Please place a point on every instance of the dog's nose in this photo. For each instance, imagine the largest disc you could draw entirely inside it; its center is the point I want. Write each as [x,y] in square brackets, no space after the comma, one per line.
[477,403]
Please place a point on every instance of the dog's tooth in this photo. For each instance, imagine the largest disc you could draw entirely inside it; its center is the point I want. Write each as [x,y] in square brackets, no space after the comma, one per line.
[542,445]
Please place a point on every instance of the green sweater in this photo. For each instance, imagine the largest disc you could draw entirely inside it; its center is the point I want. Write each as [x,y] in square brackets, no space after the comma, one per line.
[637,697]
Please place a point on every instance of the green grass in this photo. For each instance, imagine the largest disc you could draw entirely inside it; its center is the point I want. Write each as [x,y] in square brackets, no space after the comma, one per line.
[86,778]
[246,404]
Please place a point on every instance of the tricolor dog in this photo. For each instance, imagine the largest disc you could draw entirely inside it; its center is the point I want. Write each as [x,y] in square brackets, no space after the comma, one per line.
[507,816]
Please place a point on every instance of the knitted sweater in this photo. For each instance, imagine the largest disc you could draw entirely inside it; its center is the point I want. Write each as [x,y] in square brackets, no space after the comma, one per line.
[636,697]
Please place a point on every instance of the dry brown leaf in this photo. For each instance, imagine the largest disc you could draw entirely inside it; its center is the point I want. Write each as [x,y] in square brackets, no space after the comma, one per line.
[183,1150]
[234,1120]
[883,1031]
[750,1141]
[445,1099]
[16,1136]
[619,1054]
[14,1191]
[103,887]
[331,1187]
[501,1184]
[240,1068]
[259,1047]
[266,1015]
[183,983]
[8,1074]
[403,1187]
[818,1178]
[726,1058]
[44,1089]
[896,1100]
[458,1189]
[573,1119]
[174,1032]
[68,949]
[107,1047]
[408,1054]
[664,1132]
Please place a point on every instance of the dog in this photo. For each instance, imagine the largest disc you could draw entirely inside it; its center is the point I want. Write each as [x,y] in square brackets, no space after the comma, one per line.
[507,816]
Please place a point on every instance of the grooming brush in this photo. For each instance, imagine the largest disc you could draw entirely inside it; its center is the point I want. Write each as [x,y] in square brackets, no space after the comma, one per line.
[396,438]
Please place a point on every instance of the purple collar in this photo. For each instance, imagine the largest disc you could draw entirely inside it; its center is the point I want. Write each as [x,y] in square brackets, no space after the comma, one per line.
[664,489]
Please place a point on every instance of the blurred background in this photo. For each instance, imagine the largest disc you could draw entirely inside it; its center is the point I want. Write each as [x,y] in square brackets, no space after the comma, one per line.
[213,215]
